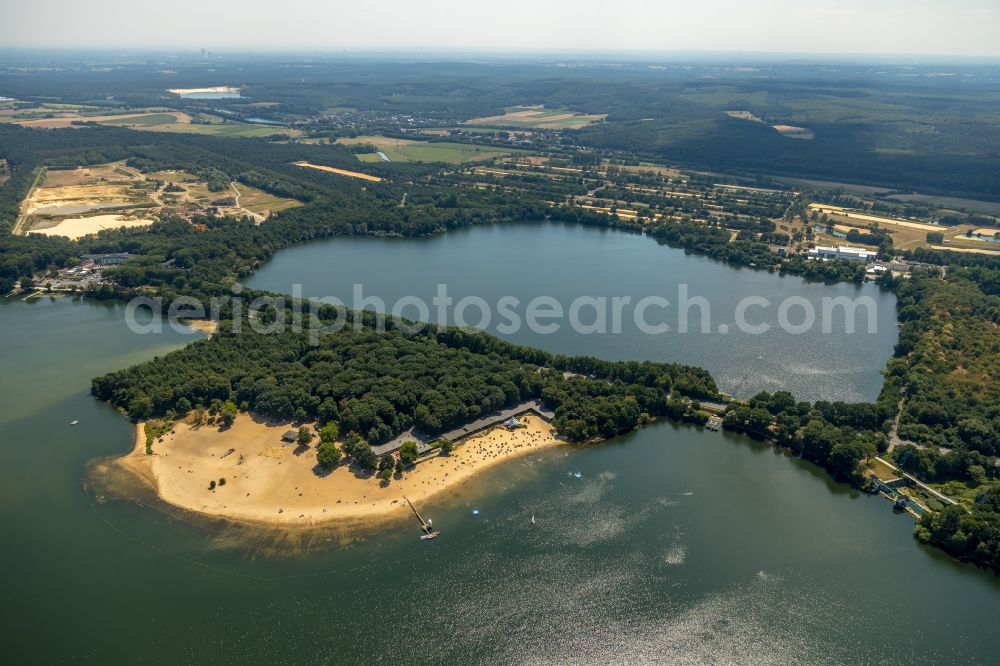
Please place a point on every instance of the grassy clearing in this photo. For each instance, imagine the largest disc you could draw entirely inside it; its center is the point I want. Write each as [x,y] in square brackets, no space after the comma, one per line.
[540,118]
[413,150]
[262,203]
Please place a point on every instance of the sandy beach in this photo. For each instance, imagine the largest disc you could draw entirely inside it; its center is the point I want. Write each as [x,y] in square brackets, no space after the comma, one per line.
[271,483]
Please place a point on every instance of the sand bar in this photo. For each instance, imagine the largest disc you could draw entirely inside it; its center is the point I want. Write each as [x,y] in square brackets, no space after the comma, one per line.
[279,485]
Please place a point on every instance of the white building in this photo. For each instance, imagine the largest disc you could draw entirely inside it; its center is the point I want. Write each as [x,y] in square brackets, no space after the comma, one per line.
[843,252]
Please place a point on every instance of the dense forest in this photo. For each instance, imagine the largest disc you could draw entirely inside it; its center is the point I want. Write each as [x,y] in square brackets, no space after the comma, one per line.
[377,384]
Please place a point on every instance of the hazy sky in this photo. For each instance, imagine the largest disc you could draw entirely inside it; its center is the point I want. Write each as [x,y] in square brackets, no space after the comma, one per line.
[952,27]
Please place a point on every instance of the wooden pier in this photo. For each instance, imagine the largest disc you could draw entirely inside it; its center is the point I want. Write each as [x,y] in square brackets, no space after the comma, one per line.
[423,523]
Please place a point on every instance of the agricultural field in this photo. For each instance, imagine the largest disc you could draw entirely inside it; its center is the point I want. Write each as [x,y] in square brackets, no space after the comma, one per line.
[177,121]
[221,128]
[540,118]
[414,150]
[909,234]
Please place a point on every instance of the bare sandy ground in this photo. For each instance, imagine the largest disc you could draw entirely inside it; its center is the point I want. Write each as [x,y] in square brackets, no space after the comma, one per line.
[194,91]
[970,250]
[342,172]
[206,326]
[279,485]
[78,227]
[794,132]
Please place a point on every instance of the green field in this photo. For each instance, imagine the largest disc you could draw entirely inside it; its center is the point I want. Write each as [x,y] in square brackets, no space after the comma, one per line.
[226,129]
[151,120]
[409,150]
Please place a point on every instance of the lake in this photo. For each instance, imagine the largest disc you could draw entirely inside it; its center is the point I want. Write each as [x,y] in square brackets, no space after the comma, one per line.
[677,545]
[566,262]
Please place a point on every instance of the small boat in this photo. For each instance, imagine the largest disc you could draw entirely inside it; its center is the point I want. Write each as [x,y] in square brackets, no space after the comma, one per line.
[533,521]
[73,422]
[475,512]
[577,475]
[429,536]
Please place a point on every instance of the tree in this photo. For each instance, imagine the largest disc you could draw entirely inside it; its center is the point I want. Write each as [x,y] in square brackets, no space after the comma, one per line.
[305,436]
[447,446]
[141,407]
[329,433]
[408,452]
[385,474]
[364,456]
[199,416]
[935,237]
[228,413]
[328,455]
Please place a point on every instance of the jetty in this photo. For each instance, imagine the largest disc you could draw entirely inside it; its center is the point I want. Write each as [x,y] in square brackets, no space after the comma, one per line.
[424,525]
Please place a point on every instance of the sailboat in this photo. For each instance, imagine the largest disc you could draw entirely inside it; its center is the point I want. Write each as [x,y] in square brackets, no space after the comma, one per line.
[533,521]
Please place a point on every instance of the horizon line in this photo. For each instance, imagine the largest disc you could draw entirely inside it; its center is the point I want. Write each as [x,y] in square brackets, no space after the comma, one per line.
[619,53]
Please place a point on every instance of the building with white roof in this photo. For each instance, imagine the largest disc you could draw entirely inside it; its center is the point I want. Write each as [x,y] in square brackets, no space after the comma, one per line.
[844,252]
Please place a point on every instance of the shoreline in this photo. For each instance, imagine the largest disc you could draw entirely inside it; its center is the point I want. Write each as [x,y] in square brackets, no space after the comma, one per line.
[278,485]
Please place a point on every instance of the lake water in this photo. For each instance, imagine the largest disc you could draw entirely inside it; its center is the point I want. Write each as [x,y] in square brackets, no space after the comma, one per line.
[566,262]
[676,546]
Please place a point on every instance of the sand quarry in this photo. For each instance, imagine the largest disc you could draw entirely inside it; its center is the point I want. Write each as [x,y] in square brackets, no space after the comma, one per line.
[77,202]
[78,227]
[269,482]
